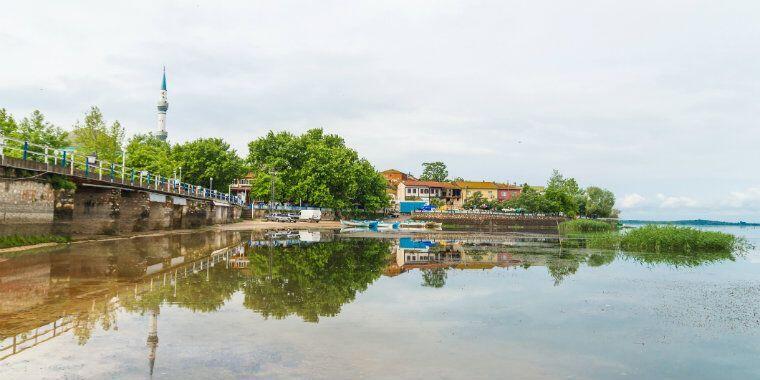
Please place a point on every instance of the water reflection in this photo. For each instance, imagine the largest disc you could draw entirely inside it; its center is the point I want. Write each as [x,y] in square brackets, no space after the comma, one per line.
[306,274]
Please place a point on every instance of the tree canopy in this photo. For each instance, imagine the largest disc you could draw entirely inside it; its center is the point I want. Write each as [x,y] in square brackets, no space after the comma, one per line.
[434,171]
[203,159]
[315,168]
[94,135]
[148,152]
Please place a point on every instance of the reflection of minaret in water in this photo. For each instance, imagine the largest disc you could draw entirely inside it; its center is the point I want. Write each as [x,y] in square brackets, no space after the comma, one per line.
[153,338]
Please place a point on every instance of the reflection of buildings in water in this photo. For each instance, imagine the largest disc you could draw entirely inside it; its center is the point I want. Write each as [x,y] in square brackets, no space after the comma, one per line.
[429,253]
[50,293]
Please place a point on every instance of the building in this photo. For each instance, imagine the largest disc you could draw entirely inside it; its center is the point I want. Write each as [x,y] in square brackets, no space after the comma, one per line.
[242,186]
[488,190]
[393,177]
[506,191]
[163,105]
[411,190]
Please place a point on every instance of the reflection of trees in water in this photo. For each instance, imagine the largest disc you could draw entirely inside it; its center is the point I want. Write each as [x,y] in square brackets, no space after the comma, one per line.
[312,281]
[434,278]
[103,311]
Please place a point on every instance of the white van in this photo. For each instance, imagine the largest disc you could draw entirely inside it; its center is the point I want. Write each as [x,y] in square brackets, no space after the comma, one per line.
[311,215]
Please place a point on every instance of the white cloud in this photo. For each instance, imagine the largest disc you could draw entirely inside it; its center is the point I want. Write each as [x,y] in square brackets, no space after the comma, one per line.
[746,198]
[676,202]
[632,200]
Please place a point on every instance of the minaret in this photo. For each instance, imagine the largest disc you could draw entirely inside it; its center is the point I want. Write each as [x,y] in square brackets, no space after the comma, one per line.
[163,105]
[152,339]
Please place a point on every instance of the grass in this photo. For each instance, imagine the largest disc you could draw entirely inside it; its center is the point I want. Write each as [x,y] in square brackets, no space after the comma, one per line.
[584,226]
[20,240]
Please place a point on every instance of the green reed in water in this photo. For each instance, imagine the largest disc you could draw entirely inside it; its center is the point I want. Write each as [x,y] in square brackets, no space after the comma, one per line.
[584,226]
[669,239]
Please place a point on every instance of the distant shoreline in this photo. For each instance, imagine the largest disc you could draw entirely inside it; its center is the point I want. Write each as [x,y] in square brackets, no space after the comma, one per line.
[692,222]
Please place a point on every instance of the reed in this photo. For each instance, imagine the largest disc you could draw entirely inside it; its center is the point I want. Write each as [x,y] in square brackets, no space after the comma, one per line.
[673,239]
[584,226]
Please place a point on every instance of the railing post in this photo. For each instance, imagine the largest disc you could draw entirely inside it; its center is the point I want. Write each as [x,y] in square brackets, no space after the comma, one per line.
[47,166]
[63,160]
[132,179]
[86,168]
[112,172]
[26,149]
[100,170]
[72,162]
[55,158]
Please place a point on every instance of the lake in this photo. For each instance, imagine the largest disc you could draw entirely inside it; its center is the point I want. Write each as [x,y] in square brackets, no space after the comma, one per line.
[321,305]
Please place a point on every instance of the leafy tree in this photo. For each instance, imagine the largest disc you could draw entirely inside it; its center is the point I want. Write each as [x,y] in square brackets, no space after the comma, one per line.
[434,171]
[317,169]
[148,152]
[437,202]
[434,278]
[8,126]
[475,201]
[599,202]
[37,130]
[563,194]
[203,159]
[95,136]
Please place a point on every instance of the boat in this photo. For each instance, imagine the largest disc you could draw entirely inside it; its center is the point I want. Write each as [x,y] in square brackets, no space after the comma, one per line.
[359,223]
[393,225]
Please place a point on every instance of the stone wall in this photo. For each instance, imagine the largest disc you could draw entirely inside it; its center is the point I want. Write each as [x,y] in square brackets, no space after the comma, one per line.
[493,222]
[32,207]
[25,201]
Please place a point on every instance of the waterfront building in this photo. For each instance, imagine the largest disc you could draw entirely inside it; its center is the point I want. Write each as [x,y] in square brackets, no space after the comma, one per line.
[411,190]
[163,105]
[506,191]
[488,190]
[242,186]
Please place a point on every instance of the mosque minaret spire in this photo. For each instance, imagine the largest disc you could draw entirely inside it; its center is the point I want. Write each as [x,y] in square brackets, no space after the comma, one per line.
[163,105]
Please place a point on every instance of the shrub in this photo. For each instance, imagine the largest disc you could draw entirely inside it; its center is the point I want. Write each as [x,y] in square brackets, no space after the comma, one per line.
[584,226]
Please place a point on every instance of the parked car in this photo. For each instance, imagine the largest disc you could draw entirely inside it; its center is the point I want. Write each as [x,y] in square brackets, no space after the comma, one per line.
[284,218]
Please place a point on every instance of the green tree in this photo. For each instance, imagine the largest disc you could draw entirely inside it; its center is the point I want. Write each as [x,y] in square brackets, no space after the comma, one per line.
[95,136]
[475,201]
[203,159]
[599,202]
[37,130]
[434,171]
[147,152]
[318,169]
[8,126]
[563,194]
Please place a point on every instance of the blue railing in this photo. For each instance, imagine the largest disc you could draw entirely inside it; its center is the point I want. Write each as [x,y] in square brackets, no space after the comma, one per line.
[75,164]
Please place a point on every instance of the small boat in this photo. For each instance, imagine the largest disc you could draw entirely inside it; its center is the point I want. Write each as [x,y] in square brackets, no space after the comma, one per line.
[393,225]
[359,223]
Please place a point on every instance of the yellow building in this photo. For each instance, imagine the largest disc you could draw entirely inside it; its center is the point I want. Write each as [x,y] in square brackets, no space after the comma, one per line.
[488,190]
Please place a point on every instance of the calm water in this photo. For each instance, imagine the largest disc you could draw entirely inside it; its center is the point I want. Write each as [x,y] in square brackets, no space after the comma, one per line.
[314,305]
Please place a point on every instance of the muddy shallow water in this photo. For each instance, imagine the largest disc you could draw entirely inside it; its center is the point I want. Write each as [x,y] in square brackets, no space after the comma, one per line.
[319,305]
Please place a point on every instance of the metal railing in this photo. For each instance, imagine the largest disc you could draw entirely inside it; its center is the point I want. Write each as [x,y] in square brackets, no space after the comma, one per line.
[75,164]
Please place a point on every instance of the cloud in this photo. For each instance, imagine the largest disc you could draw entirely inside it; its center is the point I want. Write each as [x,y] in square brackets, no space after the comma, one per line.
[746,198]
[676,202]
[632,200]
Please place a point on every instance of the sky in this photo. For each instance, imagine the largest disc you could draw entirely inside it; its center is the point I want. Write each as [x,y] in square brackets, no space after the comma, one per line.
[656,101]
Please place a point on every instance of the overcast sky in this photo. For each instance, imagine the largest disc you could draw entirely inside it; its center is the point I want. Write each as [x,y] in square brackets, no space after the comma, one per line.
[655,100]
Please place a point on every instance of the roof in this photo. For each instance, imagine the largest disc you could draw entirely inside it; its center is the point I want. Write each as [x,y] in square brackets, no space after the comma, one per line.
[163,82]
[476,185]
[506,186]
[394,171]
[428,183]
